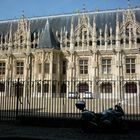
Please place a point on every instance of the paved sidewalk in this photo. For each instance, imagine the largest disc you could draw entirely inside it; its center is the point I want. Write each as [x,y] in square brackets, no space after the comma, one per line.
[11,131]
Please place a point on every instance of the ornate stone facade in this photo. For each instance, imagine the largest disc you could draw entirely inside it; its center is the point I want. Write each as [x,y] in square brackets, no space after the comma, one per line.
[95,46]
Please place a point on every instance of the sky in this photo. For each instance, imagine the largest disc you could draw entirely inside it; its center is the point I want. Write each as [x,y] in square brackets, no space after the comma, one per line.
[11,9]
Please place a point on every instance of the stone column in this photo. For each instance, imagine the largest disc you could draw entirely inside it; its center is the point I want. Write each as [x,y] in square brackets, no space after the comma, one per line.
[42,66]
[94,67]
[51,73]
[7,75]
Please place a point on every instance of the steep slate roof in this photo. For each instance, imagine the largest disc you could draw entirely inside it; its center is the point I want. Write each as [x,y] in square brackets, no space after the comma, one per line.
[47,37]
[50,24]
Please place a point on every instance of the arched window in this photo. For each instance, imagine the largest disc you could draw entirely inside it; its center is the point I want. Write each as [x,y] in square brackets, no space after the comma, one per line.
[130,87]
[45,87]
[63,88]
[54,84]
[82,87]
[39,87]
[2,87]
[106,87]
[18,89]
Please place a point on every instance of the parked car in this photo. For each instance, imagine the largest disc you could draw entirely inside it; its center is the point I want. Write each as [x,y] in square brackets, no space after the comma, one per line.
[73,95]
[87,95]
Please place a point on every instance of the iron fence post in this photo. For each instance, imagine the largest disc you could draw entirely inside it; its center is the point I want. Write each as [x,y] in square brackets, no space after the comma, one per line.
[17,90]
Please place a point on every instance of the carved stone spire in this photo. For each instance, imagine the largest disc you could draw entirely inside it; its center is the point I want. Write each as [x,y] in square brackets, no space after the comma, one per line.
[100,33]
[124,30]
[117,31]
[10,39]
[6,38]
[61,38]
[110,32]
[10,34]
[94,32]
[71,32]
[78,32]
[129,14]
[129,4]
[72,35]
[88,30]
[28,38]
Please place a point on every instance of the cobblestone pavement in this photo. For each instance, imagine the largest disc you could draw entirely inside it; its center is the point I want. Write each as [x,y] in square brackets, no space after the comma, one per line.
[51,133]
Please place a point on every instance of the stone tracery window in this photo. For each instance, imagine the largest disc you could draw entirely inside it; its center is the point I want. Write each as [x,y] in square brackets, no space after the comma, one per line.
[45,87]
[131,87]
[38,87]
[18,89]
[130,65]
[40,68]
[20,67]
[83,66]
[82,87]
[106,66]
[106,87]
[46,67]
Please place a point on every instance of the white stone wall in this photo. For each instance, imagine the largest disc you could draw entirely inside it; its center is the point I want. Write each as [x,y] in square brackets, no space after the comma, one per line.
[22,51]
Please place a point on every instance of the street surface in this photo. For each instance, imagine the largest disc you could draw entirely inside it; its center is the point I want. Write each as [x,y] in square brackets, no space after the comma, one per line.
[11,131]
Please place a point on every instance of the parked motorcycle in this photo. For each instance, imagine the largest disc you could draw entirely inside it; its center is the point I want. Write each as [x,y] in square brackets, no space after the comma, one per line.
[112,118]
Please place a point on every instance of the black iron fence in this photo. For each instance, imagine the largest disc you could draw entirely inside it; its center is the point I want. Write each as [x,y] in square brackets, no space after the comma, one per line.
[57,98]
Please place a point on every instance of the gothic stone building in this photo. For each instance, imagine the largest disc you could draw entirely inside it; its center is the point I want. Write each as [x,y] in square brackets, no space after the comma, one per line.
[72,52]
